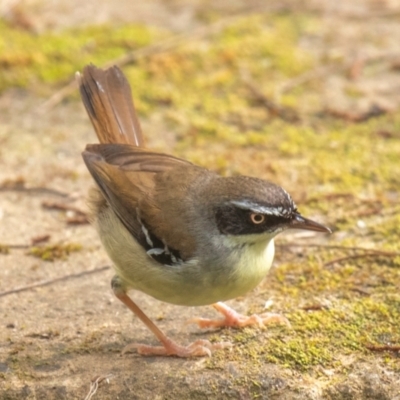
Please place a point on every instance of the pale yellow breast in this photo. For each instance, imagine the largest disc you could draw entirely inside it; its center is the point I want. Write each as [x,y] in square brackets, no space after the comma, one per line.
[254,263]
[191,283]
[249,266]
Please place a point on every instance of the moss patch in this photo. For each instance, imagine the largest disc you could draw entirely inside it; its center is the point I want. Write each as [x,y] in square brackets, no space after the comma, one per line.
[54,252]
[27,59]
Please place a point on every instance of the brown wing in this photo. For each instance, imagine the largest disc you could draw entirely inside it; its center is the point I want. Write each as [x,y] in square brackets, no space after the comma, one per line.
[132,158]
[146,190]
[131,179]
[107,98]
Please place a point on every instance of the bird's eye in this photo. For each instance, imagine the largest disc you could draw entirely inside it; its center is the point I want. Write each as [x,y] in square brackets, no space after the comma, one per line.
[257,219]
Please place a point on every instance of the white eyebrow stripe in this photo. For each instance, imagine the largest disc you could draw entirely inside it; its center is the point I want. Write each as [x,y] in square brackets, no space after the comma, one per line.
[257,208]
[290,198]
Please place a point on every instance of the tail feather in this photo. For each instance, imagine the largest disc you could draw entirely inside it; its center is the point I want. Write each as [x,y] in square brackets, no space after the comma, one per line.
[107,98]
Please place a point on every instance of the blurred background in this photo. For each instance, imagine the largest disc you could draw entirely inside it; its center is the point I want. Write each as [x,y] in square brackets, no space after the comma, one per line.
[303,93]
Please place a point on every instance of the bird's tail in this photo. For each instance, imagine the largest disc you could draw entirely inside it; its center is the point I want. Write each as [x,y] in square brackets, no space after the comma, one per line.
[107,97]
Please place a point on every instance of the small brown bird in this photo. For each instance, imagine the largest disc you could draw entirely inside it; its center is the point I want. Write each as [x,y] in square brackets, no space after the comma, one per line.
[176,231]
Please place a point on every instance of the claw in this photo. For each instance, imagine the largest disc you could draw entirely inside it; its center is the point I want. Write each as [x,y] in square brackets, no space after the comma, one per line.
[199,348]
[235,320]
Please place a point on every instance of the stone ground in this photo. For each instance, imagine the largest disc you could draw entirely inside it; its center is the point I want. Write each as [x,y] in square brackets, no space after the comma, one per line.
[57,339]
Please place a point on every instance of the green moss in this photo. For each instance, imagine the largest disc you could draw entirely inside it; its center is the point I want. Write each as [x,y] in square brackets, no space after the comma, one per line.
[28,59]
[54,252]
[353,305]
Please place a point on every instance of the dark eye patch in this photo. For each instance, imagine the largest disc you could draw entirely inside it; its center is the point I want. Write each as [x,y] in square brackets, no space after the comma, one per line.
[236,221]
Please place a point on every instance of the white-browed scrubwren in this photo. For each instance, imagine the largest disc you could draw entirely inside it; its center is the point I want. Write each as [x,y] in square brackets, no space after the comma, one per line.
[173,230]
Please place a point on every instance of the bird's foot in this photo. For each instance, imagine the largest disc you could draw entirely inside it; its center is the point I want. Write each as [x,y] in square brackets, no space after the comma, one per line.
[235,320]
[199,348]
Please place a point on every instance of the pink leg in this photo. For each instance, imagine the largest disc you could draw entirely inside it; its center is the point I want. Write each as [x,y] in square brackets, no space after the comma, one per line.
[169,347]
[236,320]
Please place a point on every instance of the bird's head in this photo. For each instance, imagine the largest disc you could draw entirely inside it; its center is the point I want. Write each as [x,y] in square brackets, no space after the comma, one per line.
[250,206]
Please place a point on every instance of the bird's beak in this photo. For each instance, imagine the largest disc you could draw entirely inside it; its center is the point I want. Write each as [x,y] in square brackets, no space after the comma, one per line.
[299,222]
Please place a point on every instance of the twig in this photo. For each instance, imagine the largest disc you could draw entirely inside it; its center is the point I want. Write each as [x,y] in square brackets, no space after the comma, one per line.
[323,70]
[374,111]
[366,252]
[314,307]
[331,196]
[34,241]
[40,239]
[94,385]
[336,247]
[78,220]
[361,291]
[355,256]
[79,217]
[51,281]
[38,190]
[386,347]
[55,205]
[14,246]
[304,78]
[285,113]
